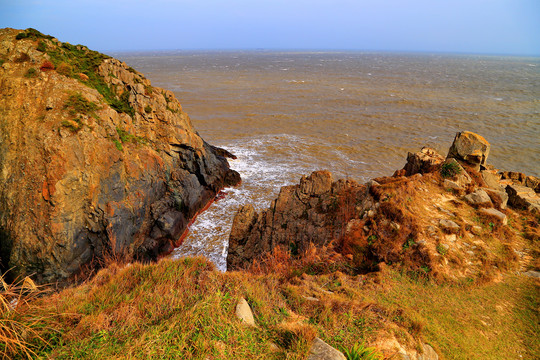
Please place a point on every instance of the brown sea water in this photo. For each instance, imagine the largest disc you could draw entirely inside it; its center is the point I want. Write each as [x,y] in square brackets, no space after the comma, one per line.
[355,114]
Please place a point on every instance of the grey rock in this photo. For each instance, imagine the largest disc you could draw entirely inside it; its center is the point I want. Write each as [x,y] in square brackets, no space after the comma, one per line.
[498,197]
[449,184]
[322,351]
[496,214]
[449,226]
[428,353]
[491,179]
[478,198]
[533,274]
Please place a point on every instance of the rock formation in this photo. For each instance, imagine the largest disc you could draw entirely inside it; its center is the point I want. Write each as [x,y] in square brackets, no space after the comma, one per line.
[427,217]
[94,160]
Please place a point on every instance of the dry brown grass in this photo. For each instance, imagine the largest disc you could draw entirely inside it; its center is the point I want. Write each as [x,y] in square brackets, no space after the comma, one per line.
[21,320]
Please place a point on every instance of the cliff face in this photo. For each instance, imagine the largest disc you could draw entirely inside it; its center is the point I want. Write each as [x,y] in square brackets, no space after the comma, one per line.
[94,160]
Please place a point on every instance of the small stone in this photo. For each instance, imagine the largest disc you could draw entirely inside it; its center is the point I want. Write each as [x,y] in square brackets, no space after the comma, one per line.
[322,351]
[495,213]
[428,353]
[478,198]
[451,237]
[533,274]
[449,184]
[449,226]
[310,298]
[243,312]
[476,230]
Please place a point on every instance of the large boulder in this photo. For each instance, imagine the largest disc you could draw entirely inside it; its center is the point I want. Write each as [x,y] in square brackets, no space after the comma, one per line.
[425,161]
[470,148]
[93,166]
[523,197]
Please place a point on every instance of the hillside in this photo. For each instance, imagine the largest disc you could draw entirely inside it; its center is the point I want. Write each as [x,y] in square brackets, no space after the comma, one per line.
[398,281]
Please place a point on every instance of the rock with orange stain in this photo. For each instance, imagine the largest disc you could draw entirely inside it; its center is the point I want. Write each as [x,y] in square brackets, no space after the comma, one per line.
[114,178]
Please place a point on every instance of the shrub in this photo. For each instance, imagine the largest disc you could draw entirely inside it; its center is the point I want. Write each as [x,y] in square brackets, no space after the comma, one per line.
[42,46]
[64,69]
[46,66]
[21,35]
[78,104]
[359,351]
[73,125]
[31,73]
[450,169]
[148,109]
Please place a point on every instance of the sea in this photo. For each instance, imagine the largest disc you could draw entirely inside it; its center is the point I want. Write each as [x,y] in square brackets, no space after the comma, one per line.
[357,114]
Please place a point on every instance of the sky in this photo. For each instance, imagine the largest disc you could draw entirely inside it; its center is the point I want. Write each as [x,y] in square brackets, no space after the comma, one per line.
[509,27]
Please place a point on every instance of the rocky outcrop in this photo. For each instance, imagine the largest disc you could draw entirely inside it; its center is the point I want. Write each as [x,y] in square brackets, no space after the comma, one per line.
[425,222]
[469,148]
[94,160]
[425,161]
[300,215]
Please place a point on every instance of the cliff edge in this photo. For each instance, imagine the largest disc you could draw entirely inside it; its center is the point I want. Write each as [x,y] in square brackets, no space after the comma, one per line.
[94,160]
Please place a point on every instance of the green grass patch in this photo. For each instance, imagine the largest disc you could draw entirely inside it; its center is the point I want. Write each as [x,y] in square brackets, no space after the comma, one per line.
[82,60]
[450,169]
[31,73]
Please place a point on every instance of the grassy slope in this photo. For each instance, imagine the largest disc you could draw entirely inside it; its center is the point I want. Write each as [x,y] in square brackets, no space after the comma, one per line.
[185,309]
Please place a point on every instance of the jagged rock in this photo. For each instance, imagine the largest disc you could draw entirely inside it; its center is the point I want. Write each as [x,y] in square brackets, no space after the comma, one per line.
[492,180]
[478,198]
[470,148]
[301,214]
[518,178]
[244,313]
[322,351]
[83,174]
[522,197]
[501,217]
[425,161]
[449,226]
[498,197]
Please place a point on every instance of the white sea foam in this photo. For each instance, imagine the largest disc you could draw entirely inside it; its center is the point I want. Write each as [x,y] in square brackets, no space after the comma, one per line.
[262,177]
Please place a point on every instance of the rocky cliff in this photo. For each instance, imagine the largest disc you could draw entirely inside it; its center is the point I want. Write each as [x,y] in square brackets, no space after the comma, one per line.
[94,160]
[442,217]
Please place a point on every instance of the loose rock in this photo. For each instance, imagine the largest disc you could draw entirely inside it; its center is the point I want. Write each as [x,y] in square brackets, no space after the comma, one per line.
[244,313]
[478,198]
[322,351]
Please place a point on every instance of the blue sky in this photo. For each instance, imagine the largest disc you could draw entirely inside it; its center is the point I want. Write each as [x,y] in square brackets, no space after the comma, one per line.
[463,26]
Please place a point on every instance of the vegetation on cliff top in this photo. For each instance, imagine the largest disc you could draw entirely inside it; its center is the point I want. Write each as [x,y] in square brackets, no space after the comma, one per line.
[74,60]
[185,309]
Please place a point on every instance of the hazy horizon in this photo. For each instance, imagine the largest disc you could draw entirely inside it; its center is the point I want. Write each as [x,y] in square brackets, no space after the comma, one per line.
[499,27]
